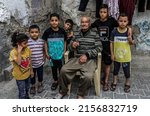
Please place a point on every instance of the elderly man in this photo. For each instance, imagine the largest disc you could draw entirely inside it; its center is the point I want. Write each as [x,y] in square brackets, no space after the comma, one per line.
[86,45]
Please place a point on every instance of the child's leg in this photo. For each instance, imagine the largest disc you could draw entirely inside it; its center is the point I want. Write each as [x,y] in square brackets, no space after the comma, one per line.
[107,73]
[126,69]
[33,81]
[107,61]
[54,73]
[21,88]
[27,86]
[116,71]
[115,74]
[40,79]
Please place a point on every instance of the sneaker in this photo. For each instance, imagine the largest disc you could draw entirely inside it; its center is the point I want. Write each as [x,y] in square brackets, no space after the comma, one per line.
[32,90]
[40,88]
[54,86]
[59,96]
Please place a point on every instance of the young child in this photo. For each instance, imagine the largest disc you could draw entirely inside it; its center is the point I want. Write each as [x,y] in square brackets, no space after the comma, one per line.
[20,56]
[68,26]
[120,51]
[55,45]
[105,25]
[36,46]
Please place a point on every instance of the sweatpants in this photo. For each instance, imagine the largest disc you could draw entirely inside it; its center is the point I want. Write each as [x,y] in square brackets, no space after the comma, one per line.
[83,5]
[68,72]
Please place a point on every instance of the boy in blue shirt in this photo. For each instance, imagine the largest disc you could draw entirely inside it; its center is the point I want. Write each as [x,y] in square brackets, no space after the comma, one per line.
[55,45]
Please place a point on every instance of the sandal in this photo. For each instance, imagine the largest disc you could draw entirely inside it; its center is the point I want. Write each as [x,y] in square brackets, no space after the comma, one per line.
[113,87]
[54,86]
[127,88]
[105,87]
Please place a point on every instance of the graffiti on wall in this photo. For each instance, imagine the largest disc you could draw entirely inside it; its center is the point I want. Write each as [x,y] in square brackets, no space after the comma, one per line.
[143,38]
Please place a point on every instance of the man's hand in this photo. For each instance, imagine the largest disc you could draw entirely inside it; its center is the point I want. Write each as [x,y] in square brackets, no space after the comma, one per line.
[75,44]
[83,59]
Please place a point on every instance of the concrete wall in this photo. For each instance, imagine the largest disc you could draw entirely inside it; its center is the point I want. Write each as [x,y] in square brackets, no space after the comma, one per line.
[19,15]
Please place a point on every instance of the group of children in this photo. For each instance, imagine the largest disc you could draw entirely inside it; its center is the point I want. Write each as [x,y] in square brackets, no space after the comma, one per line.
[29,53]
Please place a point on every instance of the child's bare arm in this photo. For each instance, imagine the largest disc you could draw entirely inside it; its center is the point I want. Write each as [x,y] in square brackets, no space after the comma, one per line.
[18,59]
[46,50]
[130,36]
[112,51]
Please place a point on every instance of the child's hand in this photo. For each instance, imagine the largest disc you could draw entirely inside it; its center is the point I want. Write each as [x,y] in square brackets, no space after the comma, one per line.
[48,57]
[130,40]
[112,57]
[70,35]
[31,74]
[19,48]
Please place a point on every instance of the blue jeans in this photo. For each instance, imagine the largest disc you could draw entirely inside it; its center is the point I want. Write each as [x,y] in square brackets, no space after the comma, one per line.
[23,87]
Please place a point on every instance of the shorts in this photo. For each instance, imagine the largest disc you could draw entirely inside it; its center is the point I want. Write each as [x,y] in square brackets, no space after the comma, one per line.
[106,58]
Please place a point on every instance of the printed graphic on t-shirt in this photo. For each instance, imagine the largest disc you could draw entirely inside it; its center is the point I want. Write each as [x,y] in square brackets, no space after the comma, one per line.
[104,33]
[25,64]
[56,48]
[122,49]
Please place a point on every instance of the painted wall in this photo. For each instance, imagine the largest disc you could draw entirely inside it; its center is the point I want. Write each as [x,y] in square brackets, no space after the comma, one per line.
[141,23]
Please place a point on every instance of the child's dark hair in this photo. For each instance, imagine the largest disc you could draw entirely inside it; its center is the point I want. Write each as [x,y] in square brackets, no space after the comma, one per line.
[54,15]
[18,38]
[34,27]
[70,22]
[122,15]
[104,6]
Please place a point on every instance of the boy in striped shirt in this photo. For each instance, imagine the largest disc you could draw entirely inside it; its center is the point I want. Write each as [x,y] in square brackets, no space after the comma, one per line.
[37,48]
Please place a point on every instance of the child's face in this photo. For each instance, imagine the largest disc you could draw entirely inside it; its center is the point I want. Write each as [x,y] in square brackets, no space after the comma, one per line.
[54,22]
[67,26]
[34,33]
[24,44]
[123,21]
[103,13]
